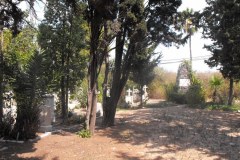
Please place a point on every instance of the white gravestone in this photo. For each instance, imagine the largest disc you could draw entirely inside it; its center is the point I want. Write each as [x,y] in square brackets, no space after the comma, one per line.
[145,94]
[129,97]
[99,110]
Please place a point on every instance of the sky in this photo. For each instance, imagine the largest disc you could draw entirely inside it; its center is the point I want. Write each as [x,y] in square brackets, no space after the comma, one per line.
[172,54]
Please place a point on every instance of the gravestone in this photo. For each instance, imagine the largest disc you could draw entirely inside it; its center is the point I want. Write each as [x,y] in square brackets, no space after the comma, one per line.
[145,94]
[47,113]
[129,97]
[183,77]
[99,110]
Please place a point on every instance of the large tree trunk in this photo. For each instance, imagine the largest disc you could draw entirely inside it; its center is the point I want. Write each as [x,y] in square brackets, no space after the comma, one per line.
[230,95]
[96,27]
[91,110]
[63,100]
[120,77]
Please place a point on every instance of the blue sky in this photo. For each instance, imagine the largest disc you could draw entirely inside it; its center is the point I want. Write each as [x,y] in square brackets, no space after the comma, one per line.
[172,54]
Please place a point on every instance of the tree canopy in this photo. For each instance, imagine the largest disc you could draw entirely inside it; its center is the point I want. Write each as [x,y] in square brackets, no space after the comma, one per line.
[221,24]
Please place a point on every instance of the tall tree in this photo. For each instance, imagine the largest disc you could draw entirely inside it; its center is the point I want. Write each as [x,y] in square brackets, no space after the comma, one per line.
[143,66]
[221,24]
[188,18]
[215,83]
[23,74]
[62,37]
[99,13]
[11,17]
[140,26]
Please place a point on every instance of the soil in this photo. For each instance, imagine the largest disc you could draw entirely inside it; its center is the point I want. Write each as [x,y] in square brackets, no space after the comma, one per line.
[160,131]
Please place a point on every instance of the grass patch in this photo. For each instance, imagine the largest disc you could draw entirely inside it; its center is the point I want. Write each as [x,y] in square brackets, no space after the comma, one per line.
[232,108]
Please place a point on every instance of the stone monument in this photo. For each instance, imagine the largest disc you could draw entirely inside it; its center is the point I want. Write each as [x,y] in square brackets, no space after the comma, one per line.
[47,113]
[183,77]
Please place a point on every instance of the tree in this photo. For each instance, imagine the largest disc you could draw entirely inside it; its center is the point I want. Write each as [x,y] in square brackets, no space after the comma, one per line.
[23,75]
[140,26]
[188,16]
[143,68]
[215,83]
[221,24]
[137,27]
[62,37]
[11,17]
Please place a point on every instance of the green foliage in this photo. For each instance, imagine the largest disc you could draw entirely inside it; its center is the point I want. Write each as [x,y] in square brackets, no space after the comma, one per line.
[224,107]
[7,125]
[179,98]
[80,93]
[215,83]
[169,90]
[173,96]
[84,133]
[28,88]
[195,95]
[143,66]
[221,24]
[163,78]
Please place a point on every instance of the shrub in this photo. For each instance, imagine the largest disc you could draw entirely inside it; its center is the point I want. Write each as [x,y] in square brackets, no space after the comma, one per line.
[173,96]
[84,133]
[195,95]
[178,98]
[28,88]
[6,125]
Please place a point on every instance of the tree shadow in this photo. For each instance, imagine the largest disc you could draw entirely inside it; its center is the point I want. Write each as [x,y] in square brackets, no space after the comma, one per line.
[179,130]
[13,150]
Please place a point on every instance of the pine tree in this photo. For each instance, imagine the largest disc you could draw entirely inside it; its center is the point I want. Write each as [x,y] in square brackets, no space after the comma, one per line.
[221,24]
[62,36]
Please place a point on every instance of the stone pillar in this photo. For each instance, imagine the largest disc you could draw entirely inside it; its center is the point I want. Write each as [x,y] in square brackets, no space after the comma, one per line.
[47,113]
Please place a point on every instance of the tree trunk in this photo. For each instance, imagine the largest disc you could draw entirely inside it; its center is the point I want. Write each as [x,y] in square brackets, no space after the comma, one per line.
[1,78]
[63,100]
[63,91]
[96,28]
[230,95]
[214,95]
[92,120]
[141,93]
[109,112]
[67,95]
[190,49]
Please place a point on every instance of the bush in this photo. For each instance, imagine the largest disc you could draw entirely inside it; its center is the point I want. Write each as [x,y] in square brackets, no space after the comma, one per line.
[84,133]
[195,95]
[173,96]
[178,98]
[6,125]
[28,88]
[169,90]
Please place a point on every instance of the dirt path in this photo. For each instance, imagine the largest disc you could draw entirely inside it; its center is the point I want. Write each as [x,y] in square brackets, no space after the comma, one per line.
[171,133]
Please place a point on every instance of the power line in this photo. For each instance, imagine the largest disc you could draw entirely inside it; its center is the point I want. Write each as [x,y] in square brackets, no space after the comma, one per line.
[179,61]
[207,56]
